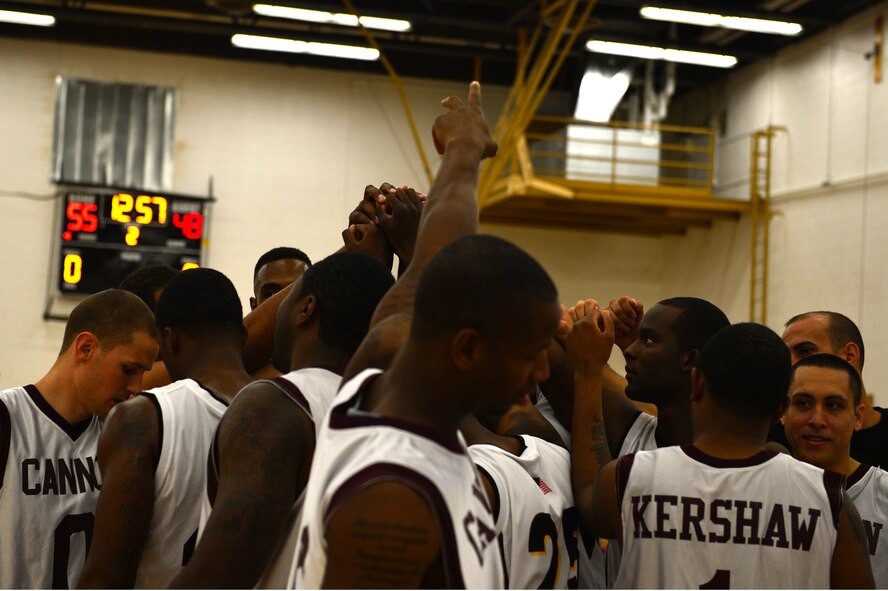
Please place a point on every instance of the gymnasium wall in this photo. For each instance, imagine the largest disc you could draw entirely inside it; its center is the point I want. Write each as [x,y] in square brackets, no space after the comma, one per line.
[290,150]
[829,185]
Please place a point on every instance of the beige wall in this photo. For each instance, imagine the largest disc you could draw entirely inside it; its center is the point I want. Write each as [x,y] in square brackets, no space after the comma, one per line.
[830,181]
[290,150]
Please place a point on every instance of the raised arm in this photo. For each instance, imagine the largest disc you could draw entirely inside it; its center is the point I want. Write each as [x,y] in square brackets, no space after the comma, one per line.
[451,211]
[399,216]
[128,452]
[589,344]
[264,457]
[361,235]
[260,331]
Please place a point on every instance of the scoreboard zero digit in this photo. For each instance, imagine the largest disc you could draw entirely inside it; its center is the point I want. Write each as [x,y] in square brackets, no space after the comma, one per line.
[106,234]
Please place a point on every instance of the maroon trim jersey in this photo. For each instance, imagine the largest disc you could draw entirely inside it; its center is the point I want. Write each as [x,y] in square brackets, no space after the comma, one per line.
[694,521]
[187,415]
[356,449]
[49,487]
[868,488]
[537,522]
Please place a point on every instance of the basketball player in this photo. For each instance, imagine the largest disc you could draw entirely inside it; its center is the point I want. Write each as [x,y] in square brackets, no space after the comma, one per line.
[393,498]
[527,480]
[49,433]
[825,410]
[148,283]
[834,333]
[263,448]
[667,343]
[275,270]
[724,511]
[528,483]
[154,448]
[363,235]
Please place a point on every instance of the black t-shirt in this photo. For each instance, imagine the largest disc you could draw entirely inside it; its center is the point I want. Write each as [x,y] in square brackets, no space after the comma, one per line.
[868,446]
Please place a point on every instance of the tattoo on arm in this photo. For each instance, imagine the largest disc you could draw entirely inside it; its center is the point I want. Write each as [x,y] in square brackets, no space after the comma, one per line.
[387,562]
[600,451]
[262,450]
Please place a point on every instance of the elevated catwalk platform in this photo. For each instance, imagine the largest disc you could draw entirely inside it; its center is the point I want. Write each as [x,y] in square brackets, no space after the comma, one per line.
[608,177]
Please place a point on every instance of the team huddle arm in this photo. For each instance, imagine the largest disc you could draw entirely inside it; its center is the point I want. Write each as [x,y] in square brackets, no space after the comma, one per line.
[619,411]
[128,451]
[260,325]
[262,449]
[559,388]
[451,211]
[851,568]
[526,419]
[383,537]
[588,344]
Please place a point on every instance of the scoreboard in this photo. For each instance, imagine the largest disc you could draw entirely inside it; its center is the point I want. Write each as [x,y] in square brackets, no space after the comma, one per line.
[106,234]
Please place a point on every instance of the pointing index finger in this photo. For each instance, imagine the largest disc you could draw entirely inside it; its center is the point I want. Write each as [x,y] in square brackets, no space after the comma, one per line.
[475,94]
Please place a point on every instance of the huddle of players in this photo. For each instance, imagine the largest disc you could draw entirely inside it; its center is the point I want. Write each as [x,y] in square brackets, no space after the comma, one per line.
[399,448]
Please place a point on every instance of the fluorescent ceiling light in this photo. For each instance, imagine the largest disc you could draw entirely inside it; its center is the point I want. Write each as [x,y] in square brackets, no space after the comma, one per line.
[661,53]
[296,46]
[332,18]
[706,19]
[26,18]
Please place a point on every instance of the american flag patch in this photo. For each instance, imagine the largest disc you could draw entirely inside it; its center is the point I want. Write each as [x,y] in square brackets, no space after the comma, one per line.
[543,486]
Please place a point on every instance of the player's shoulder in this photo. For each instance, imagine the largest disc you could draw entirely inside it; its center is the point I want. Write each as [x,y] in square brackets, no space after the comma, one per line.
[877,478]
[11,398]
[546,450]
[174,388]
[13,392]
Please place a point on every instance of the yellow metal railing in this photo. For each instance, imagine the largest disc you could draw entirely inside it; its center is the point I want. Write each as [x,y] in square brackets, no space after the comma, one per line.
[561,148]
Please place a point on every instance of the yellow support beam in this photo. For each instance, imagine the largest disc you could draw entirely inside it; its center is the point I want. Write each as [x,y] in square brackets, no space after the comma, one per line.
[524,101]
[396,82]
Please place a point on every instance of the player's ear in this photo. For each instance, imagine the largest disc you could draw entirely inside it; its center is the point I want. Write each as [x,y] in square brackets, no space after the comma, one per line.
[850,353]
[85,345]
[689,360]
[858,417]
[466,349]
[778,416]
[698,384]
[305,310]
[170,340]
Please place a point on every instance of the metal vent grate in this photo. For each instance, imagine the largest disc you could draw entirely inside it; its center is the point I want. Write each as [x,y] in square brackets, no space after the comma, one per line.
[109,134]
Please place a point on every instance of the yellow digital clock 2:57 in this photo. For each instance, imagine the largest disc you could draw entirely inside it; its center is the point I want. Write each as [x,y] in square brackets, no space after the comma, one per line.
[106,234]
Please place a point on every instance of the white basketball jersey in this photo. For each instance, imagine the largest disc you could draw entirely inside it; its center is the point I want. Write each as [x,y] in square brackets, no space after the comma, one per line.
[356,449]
[313,389]
[545,407]
[537,523]
[49,487]
[868,488]
[188,416]
[641,436]
[693,521]
[591,564]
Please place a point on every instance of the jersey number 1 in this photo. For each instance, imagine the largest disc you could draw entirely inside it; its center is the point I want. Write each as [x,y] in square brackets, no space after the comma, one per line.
[720,580]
